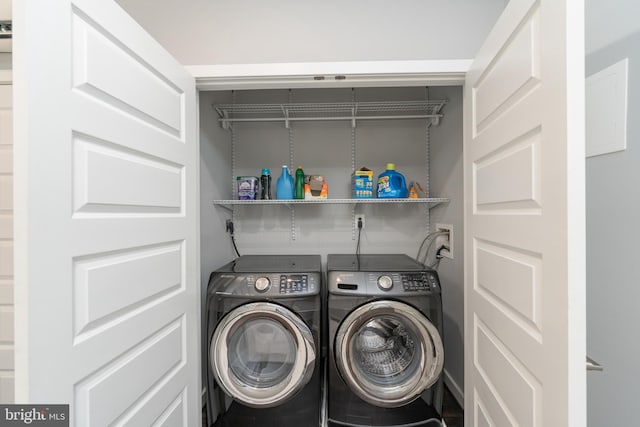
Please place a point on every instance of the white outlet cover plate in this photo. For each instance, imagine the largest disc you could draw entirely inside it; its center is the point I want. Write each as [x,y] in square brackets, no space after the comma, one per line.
[448,227]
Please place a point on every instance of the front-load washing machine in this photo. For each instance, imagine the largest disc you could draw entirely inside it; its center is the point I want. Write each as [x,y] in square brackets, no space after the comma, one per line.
[263,330]
[385,342]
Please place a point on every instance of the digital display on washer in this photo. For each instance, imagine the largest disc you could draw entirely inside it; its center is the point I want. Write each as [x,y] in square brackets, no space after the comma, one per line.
[418,282]
[293,283]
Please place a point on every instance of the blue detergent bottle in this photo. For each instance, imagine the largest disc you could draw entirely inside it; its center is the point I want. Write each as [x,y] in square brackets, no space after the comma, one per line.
[391,184]
[284,186]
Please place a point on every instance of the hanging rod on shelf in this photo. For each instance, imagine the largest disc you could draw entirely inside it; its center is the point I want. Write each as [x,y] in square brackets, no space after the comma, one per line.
[300,119]
[353,111]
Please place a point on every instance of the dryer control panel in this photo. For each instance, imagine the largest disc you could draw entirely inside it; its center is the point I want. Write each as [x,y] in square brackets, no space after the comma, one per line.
[268,285]
[420,281]
[294,283]
[415,282]
[383,282]
[282,284]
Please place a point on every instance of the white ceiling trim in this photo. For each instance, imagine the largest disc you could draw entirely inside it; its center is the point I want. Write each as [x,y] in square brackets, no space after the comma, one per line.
[329,74]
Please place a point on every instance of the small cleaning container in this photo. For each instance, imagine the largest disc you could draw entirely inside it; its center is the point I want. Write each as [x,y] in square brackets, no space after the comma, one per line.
[362,183]
[247,187]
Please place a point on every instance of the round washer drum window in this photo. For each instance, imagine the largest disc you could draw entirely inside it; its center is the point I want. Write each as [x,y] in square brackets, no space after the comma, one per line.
[386,350]
[261,352]
[388,353]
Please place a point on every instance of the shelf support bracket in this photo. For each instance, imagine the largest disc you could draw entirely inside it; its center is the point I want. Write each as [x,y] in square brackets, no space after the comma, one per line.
[435,115]
[227,208]
[226,124]
[292,228]
[353,221]
[285,113]
[293,222]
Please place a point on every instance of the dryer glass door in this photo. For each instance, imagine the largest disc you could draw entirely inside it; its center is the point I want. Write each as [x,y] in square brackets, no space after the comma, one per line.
[262,354]
[388,353]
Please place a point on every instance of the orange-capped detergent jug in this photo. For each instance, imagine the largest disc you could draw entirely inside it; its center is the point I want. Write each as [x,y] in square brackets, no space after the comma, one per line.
[391,184]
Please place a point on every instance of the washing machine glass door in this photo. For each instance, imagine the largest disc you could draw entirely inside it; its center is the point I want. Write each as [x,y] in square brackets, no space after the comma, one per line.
[388,353]
[262,354]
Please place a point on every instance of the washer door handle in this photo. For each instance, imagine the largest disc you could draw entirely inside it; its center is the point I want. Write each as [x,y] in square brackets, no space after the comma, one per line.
[592,365]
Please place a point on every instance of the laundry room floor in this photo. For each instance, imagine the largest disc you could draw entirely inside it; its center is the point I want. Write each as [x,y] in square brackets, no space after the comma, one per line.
[452,412]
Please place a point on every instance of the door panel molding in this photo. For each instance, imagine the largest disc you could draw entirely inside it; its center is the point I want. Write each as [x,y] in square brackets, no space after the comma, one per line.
[107,265]
[524,206]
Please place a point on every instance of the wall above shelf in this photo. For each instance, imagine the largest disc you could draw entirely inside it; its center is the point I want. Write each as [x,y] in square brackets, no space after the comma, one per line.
[351,111]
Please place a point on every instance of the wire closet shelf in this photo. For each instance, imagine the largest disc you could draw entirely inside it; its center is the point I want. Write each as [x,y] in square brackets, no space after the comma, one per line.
[429,201]
[332,111]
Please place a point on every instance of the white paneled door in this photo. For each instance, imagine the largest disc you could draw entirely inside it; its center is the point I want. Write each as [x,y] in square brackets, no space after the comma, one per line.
[6,241]
[107,274]
[524,218]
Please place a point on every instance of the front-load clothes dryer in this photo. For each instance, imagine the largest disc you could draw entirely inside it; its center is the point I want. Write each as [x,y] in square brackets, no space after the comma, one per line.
[385,342]
[263,330]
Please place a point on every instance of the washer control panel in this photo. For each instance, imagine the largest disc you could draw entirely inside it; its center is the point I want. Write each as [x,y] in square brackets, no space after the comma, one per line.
[383,282]
[415,282]
[269,284]
[294,283]
[420,281]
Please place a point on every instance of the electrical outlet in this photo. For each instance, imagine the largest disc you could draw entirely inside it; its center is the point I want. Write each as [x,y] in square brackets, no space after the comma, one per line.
[447,253]
[357,218]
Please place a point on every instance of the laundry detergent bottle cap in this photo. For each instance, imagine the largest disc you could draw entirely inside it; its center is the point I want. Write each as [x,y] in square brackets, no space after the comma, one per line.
[391,184]
[284,186]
